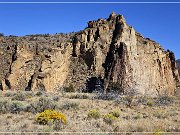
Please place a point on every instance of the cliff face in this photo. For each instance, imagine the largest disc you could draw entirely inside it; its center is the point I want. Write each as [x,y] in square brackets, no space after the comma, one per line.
[108,50]
[178,64]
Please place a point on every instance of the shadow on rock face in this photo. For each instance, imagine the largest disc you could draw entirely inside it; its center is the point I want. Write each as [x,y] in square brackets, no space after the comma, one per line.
[94,84]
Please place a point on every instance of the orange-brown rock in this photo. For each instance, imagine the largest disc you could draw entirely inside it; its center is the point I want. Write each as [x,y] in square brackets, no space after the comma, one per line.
[108,49]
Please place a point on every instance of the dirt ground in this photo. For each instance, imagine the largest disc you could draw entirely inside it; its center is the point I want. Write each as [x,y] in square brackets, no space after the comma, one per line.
[139,115]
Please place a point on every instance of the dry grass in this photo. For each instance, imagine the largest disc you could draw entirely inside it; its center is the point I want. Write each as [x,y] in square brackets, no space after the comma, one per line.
[140,117]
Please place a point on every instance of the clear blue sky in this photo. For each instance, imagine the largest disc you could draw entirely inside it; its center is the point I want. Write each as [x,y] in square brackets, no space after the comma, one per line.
[160,22]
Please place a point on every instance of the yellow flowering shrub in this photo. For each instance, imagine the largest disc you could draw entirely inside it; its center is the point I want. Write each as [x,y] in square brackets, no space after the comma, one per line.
[116,113]
[51,116]
[109,118]
[158,132]
[94,114]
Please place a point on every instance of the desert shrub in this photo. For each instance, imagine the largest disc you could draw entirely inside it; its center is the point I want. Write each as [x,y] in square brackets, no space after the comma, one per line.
[95,114]
[137,116]
[161,114]
[19,96]
[39,93]
[9,93]
[164,100]
[143,100]
[51,116]
[107,96]
[158,132]
[70,88]
[150,103]
[12,107]
[4,106]
[109,118]
[146,101]
[79,96]
[116,113]
[22,96]
[114,87]
[140,129]
[129,101]
[16,107]
[125,100]
[55,98]
[41,105]
[70,105]
[48,129]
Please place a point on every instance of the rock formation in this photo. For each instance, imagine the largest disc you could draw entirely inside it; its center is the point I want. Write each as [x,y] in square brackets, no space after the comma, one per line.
[108,50]
[178,65]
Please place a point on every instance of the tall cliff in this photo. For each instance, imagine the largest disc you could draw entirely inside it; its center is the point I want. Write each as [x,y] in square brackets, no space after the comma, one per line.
[178,64]
[108,50]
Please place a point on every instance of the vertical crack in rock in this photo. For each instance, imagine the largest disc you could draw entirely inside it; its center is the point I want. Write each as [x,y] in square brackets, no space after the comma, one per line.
[8,84]
[1,87]
[111,57]
[14,58]
[173,65]
[30,83]
[74,43]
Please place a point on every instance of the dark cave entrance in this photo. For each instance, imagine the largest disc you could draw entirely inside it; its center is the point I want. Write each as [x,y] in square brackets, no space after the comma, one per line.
[8,84]
[1,87]
[29,86]
[94,84]
[89,58]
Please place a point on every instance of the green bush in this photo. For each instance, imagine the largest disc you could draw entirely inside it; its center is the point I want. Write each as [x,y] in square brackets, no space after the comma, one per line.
[116,113]
[70,105]
[79,96]
[11,107]
[70,88]
[164,100]
[114,87]
[95,114]
[16,107]
[41,105]
[4,106]
[19,96]
[128,100]
[9,93]
[22,95]
[161,114]
[150,103]
[158,132]
[109,118]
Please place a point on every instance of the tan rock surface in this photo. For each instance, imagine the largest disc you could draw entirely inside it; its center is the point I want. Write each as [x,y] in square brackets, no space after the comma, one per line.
[109,49]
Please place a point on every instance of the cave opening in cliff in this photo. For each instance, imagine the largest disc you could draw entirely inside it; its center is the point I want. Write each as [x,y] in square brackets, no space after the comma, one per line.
[29,86]
[8,84]
[94,84]
[89,58]
[1,87]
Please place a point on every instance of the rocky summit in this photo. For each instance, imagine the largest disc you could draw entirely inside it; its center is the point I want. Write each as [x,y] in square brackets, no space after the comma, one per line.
[108,51]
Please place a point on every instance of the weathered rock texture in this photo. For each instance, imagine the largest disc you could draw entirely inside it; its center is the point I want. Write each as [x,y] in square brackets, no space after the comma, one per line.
[108,49]
[178,65]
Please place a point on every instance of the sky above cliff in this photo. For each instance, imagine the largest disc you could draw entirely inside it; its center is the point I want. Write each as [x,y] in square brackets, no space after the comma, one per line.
[160,22]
